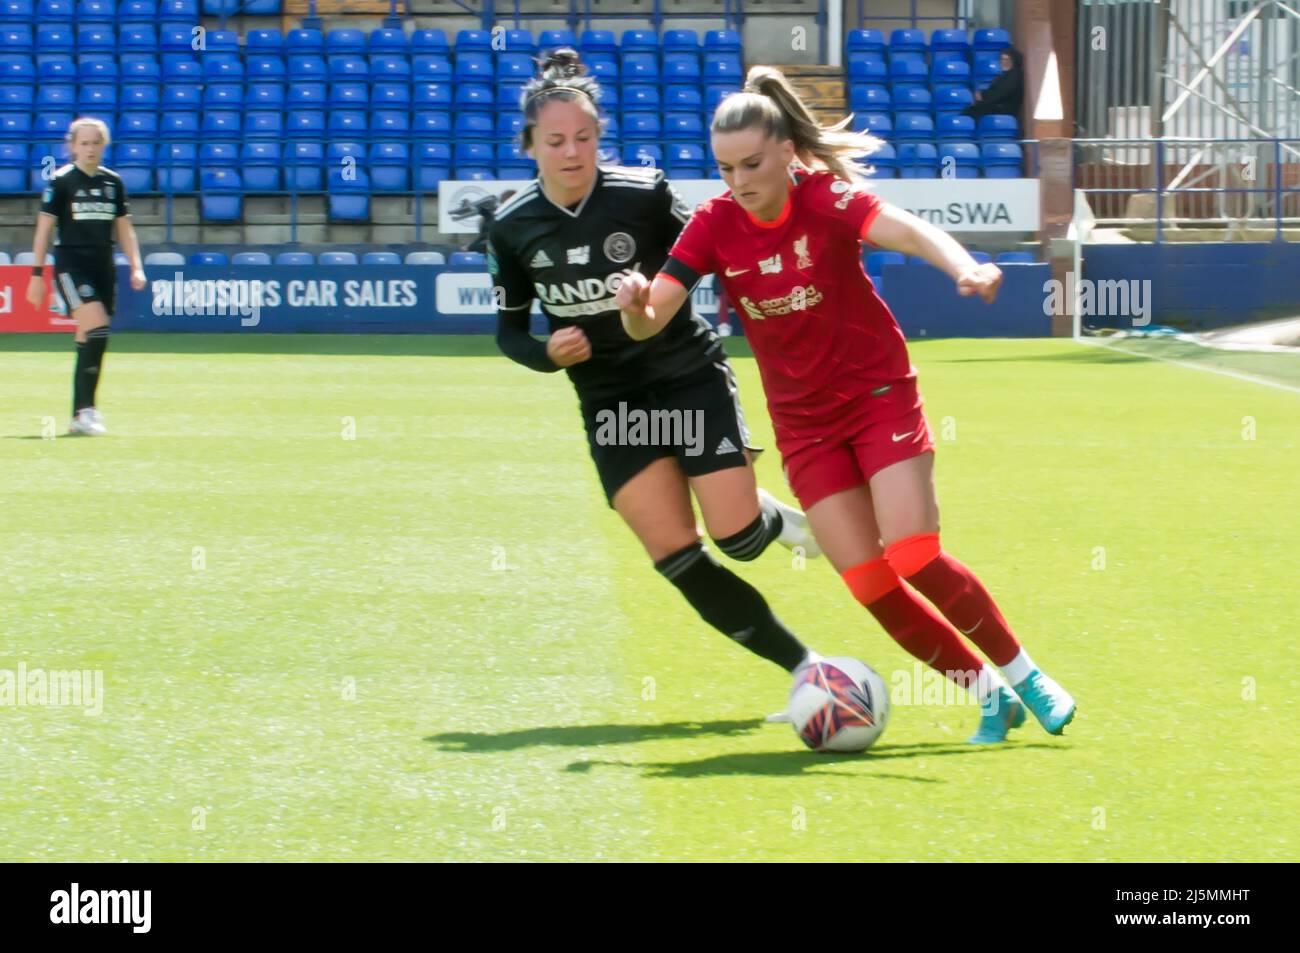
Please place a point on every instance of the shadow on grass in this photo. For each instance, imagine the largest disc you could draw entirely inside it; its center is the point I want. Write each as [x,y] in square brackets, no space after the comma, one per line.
[588,735]
[795,762]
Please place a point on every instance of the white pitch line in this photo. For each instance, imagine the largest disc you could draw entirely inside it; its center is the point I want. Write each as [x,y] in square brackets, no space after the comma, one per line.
[1249,378]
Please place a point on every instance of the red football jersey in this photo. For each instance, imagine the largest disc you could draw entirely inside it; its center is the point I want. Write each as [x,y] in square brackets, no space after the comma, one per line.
[823,338]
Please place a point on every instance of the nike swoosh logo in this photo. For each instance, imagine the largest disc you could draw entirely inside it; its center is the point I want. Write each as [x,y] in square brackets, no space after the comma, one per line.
[972,628]
[901,436]
[731,274]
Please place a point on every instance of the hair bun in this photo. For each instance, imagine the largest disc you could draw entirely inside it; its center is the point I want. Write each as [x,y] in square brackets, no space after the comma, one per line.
[563,63]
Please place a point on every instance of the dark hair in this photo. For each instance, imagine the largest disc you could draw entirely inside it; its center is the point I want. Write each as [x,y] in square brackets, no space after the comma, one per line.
[770,102]
[561,77]
[1017,58]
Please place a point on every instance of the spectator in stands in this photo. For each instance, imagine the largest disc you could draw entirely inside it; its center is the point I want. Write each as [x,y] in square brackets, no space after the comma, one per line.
[1005,94]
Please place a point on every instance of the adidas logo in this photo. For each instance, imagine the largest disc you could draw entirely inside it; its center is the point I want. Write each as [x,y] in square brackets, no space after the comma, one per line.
[725,447]
[541,260]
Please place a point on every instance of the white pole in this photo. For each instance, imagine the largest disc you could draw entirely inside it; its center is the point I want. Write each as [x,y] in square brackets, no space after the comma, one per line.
[835,31]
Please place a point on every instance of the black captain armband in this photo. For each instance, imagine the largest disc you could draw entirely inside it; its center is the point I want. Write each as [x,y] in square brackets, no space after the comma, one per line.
[688,277]
[38,271]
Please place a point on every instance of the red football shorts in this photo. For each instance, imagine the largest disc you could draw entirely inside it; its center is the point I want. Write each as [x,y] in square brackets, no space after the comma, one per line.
[885,429]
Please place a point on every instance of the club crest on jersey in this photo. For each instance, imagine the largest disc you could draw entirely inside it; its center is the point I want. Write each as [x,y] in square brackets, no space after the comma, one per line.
[620,248]
[840,186]
[580,256]
[801,249]
[110,191]
[541,260]
[770,266]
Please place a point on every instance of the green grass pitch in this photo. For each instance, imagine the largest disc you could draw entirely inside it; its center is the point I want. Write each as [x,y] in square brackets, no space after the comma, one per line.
[361,598]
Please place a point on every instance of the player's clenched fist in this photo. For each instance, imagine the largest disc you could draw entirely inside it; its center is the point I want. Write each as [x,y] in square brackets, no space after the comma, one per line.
[568,346]
[634,294]
[983,280]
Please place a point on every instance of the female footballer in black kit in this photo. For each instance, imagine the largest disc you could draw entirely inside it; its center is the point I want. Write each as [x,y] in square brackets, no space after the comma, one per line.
[87,203]
[568,239]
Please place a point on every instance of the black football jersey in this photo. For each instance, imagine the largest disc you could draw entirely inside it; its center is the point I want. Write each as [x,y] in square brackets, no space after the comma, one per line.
[574,259]
[85,206]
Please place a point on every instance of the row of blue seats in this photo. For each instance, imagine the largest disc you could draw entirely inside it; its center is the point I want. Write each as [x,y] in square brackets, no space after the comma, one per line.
[919,125]
[911,40]
[139,11]
[216,67]
[53,30]
[910,72]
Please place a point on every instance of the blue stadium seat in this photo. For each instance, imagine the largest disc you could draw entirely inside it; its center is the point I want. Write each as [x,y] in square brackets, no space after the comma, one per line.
[869,97]
[430,41]
[176,38]
[1016,258]
[101,11]
[954,127]
[638,153]
[304,42]
[918,160]
[264,124]
[223,124]
[387,41]
[681,41]
[97,96]
[907,71]
[520,41]
[260,164]
[1002,160]
[509,94]
[303,164]
[431,69]
[349,198]
[138,11]
[473,67]
[347,66]
[381,258]
[219,154]
[55,38]
[391,124]
[509,125]
[473,154]
[15,97]
[345,40]
[981,257]
[307,95]
[349,95]
[13,167]
[467,259]
[951,99]
[683,99]
[641,41]
[999,127]
[959,160]
[514,164]
[209,258]
[50,11]
[912,99]
[347,124]
[250,258]
[473,41]
[97,68]
[865,41]
[431,124]
[949,74]
[514,68]
[683,126]
[337,258]
[722,41]
[263,43]
[55,96]
[390,165]
[390,95]
[223,95]
[56,68]
[638,126]
[949,41]
[884,162]
[682,68]
[995,39]
[683,161]
[431,94]
[137,124]
[425,258]
[640,68]
[181,70]
[907,41]
[222,70]
[179,124]
[176,162]
[179,10]
[52,126]
[96,38]
[138,38]
[295,258]
[641,98]
[611,128]
[878,124]
[140,69]
[554,39]
[265,68]
[867,68]
[914,126]
[220,195]
[389,67]
[715,94]
[432,163]
[597,41]
[264,96]
[304,124]
[986,68]
[723,67]
[474,97]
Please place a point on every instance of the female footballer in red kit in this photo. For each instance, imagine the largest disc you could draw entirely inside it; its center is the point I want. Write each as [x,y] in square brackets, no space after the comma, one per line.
[785,242]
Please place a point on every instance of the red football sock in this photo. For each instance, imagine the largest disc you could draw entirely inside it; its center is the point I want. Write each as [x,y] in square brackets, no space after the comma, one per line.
[956,592]
[911,623]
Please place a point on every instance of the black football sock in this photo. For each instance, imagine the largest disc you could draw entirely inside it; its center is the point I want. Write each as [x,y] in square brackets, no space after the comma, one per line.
[90,361]
[750,542]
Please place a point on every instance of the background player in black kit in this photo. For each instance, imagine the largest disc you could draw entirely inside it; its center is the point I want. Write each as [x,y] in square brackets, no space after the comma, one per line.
[87,203]
[568,238]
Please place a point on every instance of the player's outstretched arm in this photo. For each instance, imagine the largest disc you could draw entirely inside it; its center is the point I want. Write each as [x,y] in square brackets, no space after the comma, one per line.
[896,229]
[648,306]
